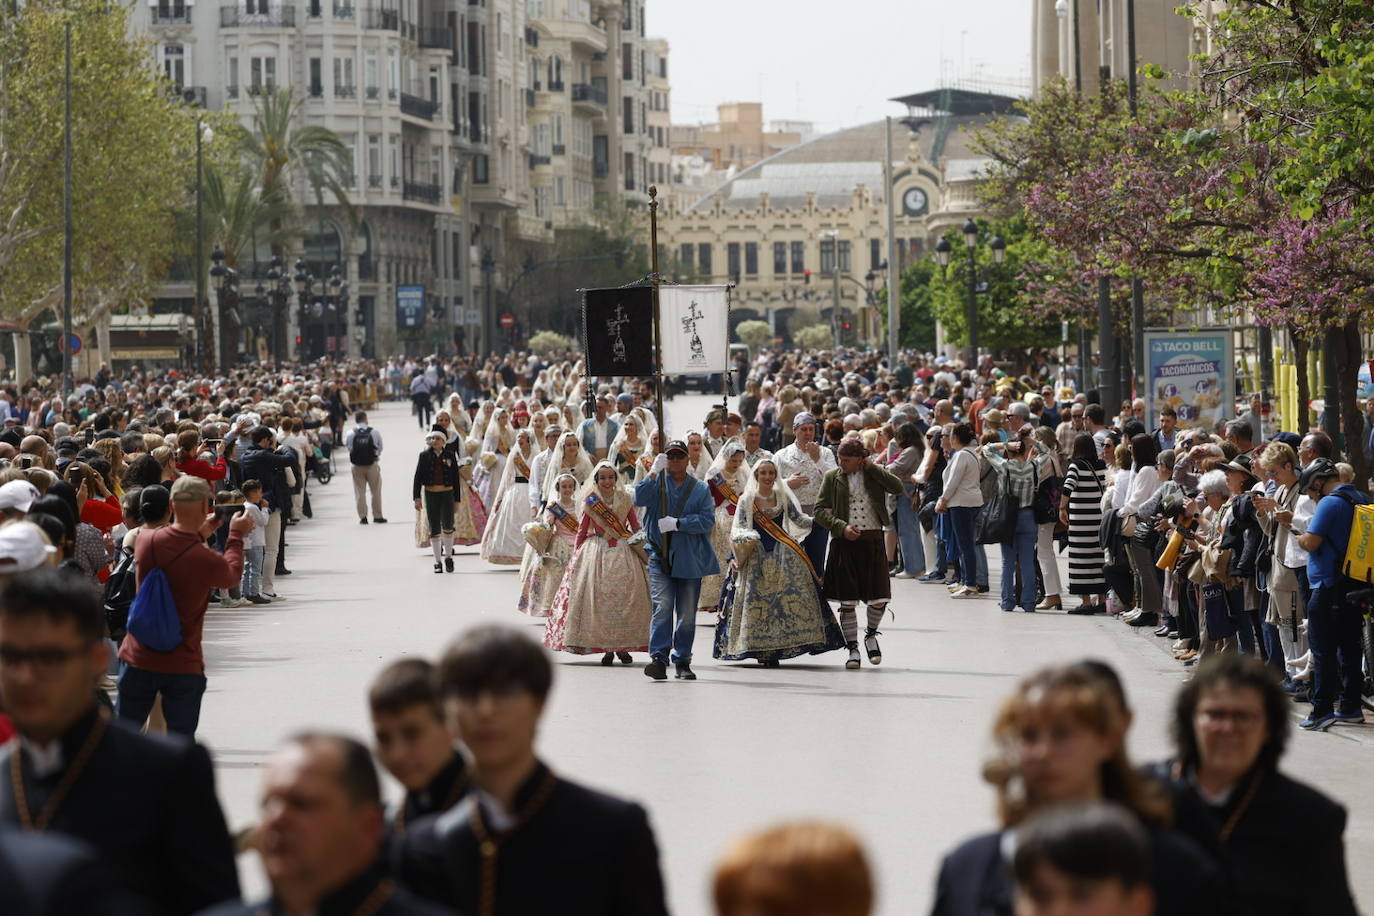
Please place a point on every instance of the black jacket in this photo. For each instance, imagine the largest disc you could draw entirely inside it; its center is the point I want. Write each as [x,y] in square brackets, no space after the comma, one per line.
[579,853]
[348,900]
[1286,854]
[424,470]
[975,880]
[269,467]
[47,874]
[147,805]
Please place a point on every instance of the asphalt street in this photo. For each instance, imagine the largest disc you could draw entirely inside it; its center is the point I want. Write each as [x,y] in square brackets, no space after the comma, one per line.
[893,751]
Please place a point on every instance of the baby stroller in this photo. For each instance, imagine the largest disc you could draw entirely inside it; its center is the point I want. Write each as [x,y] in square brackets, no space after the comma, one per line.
[321,462]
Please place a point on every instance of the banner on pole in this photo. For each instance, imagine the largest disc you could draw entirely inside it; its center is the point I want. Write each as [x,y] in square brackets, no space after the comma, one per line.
[618,331]
[695,323]
[1193,372]
[410,308]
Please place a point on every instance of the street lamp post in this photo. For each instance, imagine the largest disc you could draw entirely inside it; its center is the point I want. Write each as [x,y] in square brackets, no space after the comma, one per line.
[280,290]
[943,252]
[305,281]
[488,278]
[223,279]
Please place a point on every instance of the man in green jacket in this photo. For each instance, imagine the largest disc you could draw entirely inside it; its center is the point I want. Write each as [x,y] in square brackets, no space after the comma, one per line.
[853,508]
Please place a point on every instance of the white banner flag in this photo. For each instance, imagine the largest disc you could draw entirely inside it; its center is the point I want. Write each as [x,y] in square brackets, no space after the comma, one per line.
[695,323]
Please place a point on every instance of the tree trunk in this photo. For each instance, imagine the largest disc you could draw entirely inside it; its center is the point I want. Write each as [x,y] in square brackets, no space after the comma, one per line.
[1348,357]
[1300,350]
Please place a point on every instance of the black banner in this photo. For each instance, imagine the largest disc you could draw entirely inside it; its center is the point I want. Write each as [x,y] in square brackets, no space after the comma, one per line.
[618,331]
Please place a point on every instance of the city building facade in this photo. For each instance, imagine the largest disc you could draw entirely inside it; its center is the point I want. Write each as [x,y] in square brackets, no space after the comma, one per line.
[1088,41]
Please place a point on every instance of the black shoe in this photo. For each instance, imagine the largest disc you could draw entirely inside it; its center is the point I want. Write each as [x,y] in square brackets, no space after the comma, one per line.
[259,599]
[875,655]
[771,663]
[608,659]
[1148,619]
[624,658]
[684,672]
[362,521]
[448,564]
[282,572]
[380,521]
[1085,609]
[1163,630]
[438,567]
[656,669]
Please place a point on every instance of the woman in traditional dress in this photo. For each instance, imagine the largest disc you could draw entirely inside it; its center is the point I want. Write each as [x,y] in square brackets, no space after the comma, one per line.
[727,478]
[496,445]
[568,458]
[503,544]
[1081,510]
[625,450]
[549,546]
[776,611]
[602,604]
[698,459]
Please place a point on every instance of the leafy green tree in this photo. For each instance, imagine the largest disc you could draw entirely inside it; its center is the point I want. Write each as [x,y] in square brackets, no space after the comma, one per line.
[546,342]
[815,337]
[754,333]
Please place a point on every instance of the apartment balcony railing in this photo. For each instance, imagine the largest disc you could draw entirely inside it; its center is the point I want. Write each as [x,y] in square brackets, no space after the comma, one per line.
[315,91]
[436,38]
[343,11]
[425,193]
[374,181]
[537,160]
[600,169]
[417,107]
[172,15]
[191,95]
[382,19]
[345,92]
[374,93]
[237,16]
[555,87]
[529,98]
[583,92]
[559,149]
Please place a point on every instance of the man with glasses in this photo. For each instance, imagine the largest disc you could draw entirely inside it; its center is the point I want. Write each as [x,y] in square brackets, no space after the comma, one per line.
[146,805]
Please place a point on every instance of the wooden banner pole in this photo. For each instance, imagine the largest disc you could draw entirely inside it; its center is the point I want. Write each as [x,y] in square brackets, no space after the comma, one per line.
[658,367]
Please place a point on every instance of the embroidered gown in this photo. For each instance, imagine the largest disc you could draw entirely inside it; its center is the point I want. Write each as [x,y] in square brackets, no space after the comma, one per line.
[774,609]
[541,573]
[503,544]
[602,604]
[712,586]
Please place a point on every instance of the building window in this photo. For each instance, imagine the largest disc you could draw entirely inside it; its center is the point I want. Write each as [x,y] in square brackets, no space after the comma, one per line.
[827,257]
[174,64]
[263,73]
[371,74]
[844,257]
[629,114]
[555,74]
[688,249]
[874,254]
[732,259]
[343,76]
[374,160]
[480,172]
[779,257]
[798,257]
[751,259]
[560,197]
[316,87]
[704,257]
[627,59]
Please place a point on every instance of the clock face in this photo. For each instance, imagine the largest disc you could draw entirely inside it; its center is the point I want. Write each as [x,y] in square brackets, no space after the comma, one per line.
[914,202]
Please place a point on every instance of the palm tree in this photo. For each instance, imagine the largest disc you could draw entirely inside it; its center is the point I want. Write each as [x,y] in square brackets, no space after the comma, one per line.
[237,213]
[284,154]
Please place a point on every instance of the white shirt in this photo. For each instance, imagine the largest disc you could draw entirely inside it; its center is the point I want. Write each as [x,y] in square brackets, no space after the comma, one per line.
[537,477]
[793,460]
[600,440]
[46,759]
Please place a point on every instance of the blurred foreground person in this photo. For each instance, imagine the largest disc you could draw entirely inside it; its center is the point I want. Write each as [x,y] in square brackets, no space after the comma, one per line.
[321,835]
[524,840]
[1083,860]
[802,869]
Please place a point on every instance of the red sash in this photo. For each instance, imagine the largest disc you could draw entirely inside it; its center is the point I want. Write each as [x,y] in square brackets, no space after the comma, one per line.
[563,517]
[782,537]
[606,518]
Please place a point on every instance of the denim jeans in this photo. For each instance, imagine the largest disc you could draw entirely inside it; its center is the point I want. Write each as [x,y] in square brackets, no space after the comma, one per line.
[1333,633]
[962,519]
[1020,553]
[674,598]
[1245,631]
[252,571]
[181,696]
[814,545]
[909,536]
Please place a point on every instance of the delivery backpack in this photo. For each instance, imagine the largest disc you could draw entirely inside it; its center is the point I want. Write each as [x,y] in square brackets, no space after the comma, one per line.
[1358,562]
[153,617]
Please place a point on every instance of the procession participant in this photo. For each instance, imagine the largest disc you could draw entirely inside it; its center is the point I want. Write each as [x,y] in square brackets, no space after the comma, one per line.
[598,431]
[496,445]
[413,744]
[502,542]
[146,804]
[322,835]
[802,465]
[851,506]
[715,432]
[602,604]
[753,437]
[626,448]
[552,432]
[525,840]
[572,459]
[728,477]
[549,544]
[776,611]
[433,488]
[680,555]
[698,459]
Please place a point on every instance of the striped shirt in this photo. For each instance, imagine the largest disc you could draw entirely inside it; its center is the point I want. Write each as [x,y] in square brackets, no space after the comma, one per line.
[1023,475]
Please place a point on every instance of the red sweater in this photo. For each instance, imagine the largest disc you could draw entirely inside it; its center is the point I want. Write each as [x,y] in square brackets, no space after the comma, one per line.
[101,513]
[204,469]
[191,576]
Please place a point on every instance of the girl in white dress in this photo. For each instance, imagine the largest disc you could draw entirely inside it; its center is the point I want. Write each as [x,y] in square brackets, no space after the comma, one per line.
[503,543]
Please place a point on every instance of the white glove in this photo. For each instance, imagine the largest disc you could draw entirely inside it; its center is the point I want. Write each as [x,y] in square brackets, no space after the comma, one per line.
[660,462]
[667,523]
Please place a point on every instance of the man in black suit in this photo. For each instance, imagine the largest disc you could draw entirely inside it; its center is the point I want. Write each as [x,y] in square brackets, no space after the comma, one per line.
[321,835]
[524,841]
[46,874]
[146,805]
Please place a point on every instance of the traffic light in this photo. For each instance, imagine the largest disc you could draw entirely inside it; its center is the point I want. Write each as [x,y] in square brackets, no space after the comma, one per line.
[847,326]
[806,277]
[298,340]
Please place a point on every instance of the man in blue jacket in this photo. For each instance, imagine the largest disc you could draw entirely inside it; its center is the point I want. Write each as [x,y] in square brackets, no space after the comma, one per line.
[680,554]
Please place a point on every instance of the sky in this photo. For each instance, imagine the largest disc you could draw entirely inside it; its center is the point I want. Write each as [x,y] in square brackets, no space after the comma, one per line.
[835,64]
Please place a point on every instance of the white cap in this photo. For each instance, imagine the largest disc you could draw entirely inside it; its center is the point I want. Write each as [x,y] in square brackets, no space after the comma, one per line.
[23,547]
[18,494]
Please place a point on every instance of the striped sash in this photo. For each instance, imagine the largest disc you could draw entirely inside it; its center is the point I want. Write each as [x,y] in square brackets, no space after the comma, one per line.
[605,517]
[563,517]
[721,488]
[782,537]
[521,465]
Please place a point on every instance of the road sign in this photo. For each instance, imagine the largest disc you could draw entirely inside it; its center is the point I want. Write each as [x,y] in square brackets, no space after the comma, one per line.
[75,343]
[474,316]
[508,320]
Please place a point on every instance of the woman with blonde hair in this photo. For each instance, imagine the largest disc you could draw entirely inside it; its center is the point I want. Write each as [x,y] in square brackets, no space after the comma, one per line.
[799,869]
[502,542]
[1060,739]
[775,610]
[726,478]
[568,458]
[602,604]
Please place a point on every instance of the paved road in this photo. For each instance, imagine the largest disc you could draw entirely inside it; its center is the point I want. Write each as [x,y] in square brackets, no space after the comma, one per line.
[893,751]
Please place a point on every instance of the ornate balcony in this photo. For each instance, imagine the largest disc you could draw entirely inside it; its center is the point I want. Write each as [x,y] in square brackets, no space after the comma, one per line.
[425,193]
[417,107]
[237,16]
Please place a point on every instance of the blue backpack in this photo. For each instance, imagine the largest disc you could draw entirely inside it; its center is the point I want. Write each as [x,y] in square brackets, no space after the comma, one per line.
[153,618]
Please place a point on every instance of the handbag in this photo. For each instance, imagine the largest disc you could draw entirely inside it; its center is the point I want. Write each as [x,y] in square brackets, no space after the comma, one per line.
[1128,525]
[1217,612]
[1047,497]
[1282,578]
[997,521]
